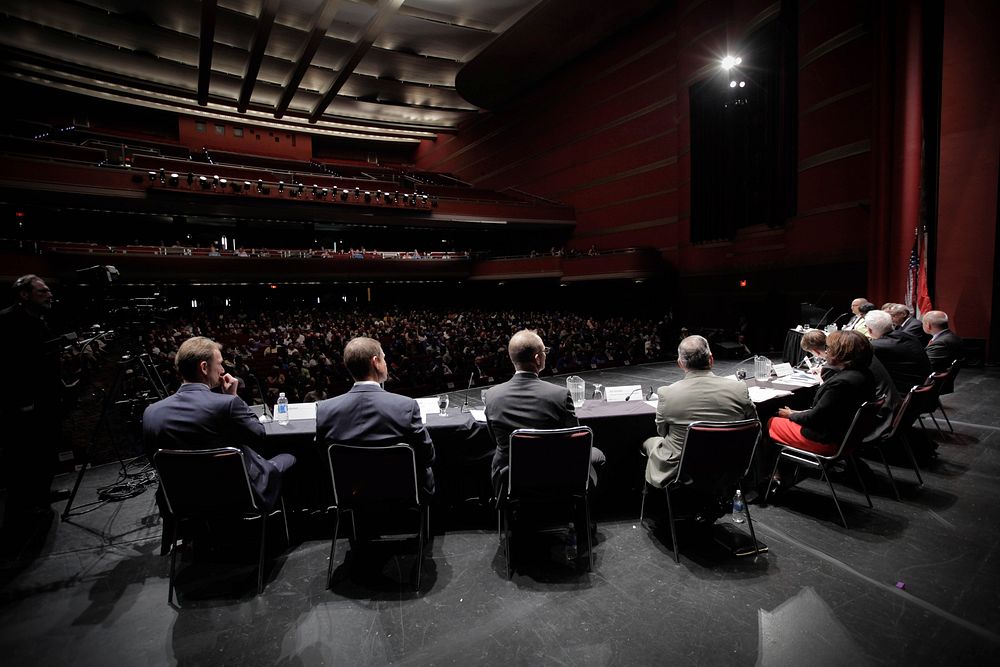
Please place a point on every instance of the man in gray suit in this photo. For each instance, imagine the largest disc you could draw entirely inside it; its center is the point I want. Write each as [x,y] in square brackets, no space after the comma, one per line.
[903,320]
[368,415]
[525,401]
[700,396]
[944,345]
[196,417]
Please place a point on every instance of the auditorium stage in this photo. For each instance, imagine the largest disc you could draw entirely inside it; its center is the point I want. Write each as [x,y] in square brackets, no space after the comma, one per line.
[909,583]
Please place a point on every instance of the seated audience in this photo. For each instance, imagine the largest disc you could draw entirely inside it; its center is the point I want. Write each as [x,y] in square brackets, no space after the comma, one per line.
[525,401]
[944,346]
[700,396]
[370,416]
[197,417]
[901,354]
[848,383]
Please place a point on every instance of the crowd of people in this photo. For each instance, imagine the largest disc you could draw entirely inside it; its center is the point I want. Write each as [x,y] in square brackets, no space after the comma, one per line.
[299,351]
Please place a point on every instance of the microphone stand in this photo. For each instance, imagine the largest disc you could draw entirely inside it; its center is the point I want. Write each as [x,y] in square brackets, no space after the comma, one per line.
[465,405]
[631,393]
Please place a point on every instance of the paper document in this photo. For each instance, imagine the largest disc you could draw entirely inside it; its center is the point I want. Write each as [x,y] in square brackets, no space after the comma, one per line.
[761,394]
[301,411]
[618,394]
[801,379]
[653,403]
[427,406]
[478,414]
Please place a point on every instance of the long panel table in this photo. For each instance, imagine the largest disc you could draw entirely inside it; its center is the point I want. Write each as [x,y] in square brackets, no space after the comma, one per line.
[464,451]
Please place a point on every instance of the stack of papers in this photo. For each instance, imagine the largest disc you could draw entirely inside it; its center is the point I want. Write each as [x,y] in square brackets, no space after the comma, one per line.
[800,379]
[761,394]
[427,406]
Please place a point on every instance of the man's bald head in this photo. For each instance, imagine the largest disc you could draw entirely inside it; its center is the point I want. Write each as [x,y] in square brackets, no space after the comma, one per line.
[935,321]
[527,351]
[856,305]
[694,354]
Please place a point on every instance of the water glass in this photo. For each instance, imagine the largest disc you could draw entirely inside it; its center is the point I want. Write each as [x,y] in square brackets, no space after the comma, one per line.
[443,405]
[482,396]
[576,386]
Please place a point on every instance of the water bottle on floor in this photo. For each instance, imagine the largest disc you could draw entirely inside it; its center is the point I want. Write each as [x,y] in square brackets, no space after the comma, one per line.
[738,507]
[281,409]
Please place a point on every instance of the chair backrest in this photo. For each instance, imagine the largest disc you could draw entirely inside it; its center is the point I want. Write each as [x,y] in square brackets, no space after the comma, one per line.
[864,423]
[549,461]
[948,384]
[916,402]
[716,455]
[205,481]
[371,475]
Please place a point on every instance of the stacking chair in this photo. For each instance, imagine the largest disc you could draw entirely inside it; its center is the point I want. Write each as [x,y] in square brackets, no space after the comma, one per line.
[547,467]
[375,478]
[943,383]
[714,459]
[904,418]
[207,484]
[864,423]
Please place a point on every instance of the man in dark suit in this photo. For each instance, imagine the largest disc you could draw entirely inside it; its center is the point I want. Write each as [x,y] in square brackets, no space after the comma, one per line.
[903,321]
[368,415]
[901,354]
[944,346]
[525,401]
[196,417]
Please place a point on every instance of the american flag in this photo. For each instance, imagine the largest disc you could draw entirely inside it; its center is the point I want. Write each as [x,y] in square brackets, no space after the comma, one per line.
[917,298]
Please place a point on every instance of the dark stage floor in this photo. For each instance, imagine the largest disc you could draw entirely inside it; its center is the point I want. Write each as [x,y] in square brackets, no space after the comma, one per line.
[912,582]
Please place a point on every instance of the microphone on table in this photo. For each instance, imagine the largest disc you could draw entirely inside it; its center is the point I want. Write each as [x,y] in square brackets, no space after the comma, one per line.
[465,406]
[639,388]
[260,391]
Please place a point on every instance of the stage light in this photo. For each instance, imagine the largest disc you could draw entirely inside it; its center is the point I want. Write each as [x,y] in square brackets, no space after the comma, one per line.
[190,178]
[743,84]
[281,186]
[152,176]
[174,179]
[246,185]
[730,62]
[315,190]
[324,192]
[743,282]
[205,183]
[368,197]
[343,195]
[260,185]
[732,84]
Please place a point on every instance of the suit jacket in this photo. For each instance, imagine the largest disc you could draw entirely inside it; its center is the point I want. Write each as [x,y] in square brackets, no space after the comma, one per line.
[836,402]
[197,418]
[904,358]
[368,415]
[700,396]
[944,349]
[524,401]
[915,328]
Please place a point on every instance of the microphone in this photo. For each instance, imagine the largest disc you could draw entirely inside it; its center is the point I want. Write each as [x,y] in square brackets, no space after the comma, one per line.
[465,406]
[639,388]
[260,390]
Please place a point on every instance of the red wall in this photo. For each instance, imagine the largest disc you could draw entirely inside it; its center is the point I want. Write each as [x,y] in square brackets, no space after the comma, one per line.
[970,144]
[255,140]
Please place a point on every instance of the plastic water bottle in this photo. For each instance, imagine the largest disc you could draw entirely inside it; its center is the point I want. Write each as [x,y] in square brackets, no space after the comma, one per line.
[281,409]
[571,546]
[738,507]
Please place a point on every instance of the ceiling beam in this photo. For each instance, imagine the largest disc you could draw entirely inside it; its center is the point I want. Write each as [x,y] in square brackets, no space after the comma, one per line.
[264,24]
[324,17]
[386,10]
[206,45]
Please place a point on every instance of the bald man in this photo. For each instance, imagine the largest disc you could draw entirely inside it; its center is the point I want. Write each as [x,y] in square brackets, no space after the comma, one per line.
[944,346]
[525,401]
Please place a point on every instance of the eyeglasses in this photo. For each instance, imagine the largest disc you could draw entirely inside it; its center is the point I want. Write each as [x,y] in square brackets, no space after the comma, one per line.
[546,350]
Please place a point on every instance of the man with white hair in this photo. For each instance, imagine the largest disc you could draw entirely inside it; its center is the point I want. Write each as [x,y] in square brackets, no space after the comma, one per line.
[944,346]
[700,396]
[901,354]
[903,320]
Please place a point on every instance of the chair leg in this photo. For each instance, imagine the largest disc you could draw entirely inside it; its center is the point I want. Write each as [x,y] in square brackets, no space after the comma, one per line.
[673,528]
[284,515]
[888,471]
[770,481]
[590,539]
[260,558]
[333,547]
[642,506]
[421,541]
[936,425]
[834,493]
[913,459]
[506,541]
[173,563]
[945,414]
[852,462]
[753,535]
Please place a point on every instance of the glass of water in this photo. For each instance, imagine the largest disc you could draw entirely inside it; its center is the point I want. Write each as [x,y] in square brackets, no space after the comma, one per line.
[482,396]
[443,405]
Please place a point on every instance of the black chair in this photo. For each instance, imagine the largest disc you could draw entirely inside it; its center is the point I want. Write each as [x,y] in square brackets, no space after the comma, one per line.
[210,484]
[375,478]
[943,383]
[906,415]
[864,422]
[714,459]
[547,467]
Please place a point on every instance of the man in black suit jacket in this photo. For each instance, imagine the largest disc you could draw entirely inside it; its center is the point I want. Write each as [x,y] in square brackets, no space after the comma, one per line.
[368,415]
[525,401]
[944,346]
[901,354]
[196,417]
[903,321]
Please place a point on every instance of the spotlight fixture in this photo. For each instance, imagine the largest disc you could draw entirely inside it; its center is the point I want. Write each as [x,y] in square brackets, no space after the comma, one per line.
[324,192]
[260,185]
[343,195]
[743,84]
[152,176]
[315,190]
[246,185]
[732,84]
[730,62]
[174,179]
[222,183]
[368,197]
[281,186]
[204,182]
[163,175]
[190,178]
